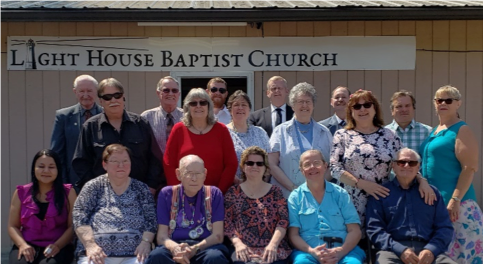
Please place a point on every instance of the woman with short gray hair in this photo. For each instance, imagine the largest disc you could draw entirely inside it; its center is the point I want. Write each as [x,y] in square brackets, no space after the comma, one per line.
[200,134]
[292,138]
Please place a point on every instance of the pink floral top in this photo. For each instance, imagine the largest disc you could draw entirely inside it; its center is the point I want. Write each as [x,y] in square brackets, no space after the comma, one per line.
[366,156]
[41,232]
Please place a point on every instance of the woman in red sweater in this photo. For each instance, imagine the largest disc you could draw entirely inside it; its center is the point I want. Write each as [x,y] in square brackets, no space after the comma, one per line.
[200,134]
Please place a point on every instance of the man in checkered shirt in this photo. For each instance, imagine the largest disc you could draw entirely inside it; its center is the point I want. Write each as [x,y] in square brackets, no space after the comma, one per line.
[412,133]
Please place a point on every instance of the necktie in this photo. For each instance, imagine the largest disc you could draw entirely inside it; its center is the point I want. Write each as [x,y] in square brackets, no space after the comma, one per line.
[342,123]
[87,115]
[169,124]
[278,121]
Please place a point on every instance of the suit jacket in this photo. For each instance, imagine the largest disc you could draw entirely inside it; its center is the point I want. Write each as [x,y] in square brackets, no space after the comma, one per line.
[332,124]
[263,118]
[67,126]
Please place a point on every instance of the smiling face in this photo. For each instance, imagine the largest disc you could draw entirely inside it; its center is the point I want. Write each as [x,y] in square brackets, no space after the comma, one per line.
[255,171]
[312,166]
[406,173]
[113,106]
[167,98]
[85,92]
[303,107]
[240,109]
[217,97]
[444,108]
[364,116]
[118,165]
[339,99]
[198,111]
[45,170]
[403,110]
[277,92]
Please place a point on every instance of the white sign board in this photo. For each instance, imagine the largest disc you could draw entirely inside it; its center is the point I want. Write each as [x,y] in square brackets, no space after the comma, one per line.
[211,54]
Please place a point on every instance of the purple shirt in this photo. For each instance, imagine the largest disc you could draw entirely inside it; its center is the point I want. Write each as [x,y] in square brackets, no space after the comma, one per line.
[41,232]
[180,233]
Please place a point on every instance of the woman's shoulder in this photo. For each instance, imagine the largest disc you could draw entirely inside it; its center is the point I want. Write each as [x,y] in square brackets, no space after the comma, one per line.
[24,190]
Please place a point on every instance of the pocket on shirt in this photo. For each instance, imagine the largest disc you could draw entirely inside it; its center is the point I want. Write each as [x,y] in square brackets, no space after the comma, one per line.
[99,148]
[337,221]
[136,146]
[309,219]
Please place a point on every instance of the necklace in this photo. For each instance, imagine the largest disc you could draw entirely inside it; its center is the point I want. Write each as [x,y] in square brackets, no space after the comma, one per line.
[197,130]
[236,131]
[304,128]
[186,222]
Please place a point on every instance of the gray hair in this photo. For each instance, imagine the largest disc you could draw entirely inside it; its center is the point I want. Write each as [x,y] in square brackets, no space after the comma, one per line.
[184,160]
[418,157]
[158,87]
[197,93]
[85,77]
[453,92]
[302,89]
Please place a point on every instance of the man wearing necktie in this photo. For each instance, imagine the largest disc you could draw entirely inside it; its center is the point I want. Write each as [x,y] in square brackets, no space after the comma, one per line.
[163,117]
[278,111]
[338,101]
[68,123]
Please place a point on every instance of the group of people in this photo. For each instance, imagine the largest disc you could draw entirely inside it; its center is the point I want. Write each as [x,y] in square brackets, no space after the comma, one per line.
[271,186]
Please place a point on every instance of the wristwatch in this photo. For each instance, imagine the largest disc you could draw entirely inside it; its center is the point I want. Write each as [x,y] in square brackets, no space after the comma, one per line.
[197,248]
[456,198]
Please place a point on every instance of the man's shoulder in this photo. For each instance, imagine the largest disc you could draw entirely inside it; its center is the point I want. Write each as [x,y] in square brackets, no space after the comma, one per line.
[261,111]
[151,111]
[67,110]
[423,126]
[326,122]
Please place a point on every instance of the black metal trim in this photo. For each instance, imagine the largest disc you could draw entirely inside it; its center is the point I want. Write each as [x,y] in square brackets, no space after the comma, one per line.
[242,15]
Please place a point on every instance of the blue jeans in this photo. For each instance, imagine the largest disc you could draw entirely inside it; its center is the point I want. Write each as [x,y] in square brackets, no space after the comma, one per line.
[355,256]
[217,254]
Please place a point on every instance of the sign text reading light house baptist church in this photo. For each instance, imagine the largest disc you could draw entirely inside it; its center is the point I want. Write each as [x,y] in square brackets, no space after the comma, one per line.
[211,54]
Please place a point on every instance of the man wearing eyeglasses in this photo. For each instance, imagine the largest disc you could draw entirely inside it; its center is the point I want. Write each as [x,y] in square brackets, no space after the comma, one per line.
[117,125]
[338,101]
[278,111]
[163,117]
[411,133]
[68,123]
[402,226]
[216,88]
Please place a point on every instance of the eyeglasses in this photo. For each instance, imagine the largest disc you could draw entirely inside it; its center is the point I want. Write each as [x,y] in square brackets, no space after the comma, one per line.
[316,164]
[274,89]
[447,100]
[411,163]
[117,162]
[195,103]
[191,175]
[251,163]
[359,106]
[302,102]
[173,90]
[108,97]
[216,89]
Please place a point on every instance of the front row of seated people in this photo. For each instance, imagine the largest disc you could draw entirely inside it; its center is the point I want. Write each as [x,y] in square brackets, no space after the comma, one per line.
[115,217]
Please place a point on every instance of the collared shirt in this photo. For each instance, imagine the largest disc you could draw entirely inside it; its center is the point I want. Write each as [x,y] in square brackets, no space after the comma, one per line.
[274,114]
[97,133]
[284,140]
[224,116]
[157,118]
[403,215]
[93,112]
[316,221]
[413,135]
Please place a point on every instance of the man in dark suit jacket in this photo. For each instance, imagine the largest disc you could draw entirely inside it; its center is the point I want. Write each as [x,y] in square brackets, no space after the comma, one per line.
[339,99]
[68,123]
[267,117]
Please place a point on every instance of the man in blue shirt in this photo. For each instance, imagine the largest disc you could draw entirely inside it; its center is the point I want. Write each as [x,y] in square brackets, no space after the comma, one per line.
[402,225]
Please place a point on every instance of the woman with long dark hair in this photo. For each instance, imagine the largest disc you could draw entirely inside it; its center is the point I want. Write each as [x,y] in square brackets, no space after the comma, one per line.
[40,220]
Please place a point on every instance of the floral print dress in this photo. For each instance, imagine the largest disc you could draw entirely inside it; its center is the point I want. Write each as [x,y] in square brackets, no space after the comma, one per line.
[365,156]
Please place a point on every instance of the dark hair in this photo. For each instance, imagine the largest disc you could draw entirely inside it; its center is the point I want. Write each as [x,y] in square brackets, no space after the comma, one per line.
[58,187]
[368,97]
[402,93]
[254,150]
[109,82]
[237,95]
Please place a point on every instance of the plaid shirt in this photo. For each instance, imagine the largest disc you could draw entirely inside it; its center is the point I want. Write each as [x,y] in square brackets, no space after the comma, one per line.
[414,134]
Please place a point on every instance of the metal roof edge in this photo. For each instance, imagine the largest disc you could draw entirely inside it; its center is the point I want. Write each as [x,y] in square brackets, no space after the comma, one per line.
[244,15]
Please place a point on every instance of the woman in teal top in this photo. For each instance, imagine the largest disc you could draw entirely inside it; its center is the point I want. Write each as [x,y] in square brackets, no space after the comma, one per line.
[449,162]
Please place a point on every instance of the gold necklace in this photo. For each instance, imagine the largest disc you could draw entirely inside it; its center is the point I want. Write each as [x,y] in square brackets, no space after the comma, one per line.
[200,131]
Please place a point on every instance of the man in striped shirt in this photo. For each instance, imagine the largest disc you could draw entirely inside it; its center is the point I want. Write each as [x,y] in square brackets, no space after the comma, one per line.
[412,133]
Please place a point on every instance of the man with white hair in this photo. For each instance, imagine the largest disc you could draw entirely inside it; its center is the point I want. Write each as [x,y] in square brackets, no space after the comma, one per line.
[402,226]
[68,123]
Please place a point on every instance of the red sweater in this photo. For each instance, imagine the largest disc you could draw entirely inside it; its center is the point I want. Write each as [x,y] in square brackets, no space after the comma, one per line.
[215,148]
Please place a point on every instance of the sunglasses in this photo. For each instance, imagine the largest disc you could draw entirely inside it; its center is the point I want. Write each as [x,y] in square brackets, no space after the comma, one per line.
[447,100]
[216,89]
[402,163]
[195,103]
[108,97]
[359,106]
[173,90]
[251,163]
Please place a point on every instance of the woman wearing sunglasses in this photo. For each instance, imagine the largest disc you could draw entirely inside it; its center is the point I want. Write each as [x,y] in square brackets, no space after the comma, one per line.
[292,138]
[243,134]
[449,162]
[256,216]
[200,134]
